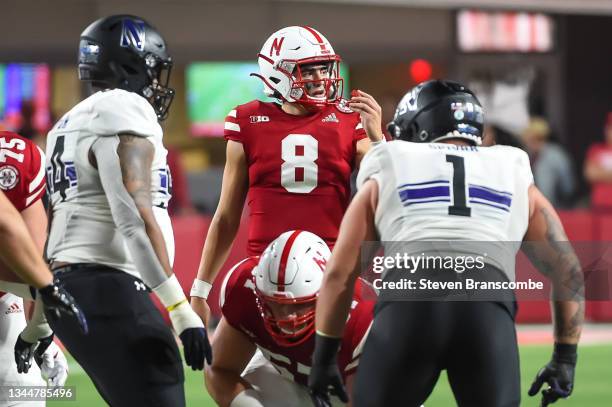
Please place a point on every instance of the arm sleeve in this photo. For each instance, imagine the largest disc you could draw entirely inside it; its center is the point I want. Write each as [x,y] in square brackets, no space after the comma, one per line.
[359,132]
[120,112]
[231,128]
[125,213]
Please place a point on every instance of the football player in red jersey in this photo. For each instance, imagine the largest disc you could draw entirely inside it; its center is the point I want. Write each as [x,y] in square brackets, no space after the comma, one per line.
[268,304]
[22,181]
[289,159]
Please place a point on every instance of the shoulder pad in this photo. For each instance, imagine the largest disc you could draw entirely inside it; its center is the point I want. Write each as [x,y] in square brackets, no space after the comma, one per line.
[118,111]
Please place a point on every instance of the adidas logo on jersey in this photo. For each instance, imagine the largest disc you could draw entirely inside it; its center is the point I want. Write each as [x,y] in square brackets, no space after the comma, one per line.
[259,119]
[13,308]
[330,118]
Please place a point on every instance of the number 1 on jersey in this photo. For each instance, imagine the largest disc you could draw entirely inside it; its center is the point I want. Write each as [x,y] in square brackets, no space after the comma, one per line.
[459,207]
[299,172]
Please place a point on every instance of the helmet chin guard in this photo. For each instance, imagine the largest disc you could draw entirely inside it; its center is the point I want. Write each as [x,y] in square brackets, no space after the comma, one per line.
[287,281]
[280,66]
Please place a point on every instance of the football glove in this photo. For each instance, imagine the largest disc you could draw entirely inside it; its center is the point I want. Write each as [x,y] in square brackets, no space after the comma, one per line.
[558,374]
[35,338]
[53,365]
[186,323]
[324,375]
[59,303]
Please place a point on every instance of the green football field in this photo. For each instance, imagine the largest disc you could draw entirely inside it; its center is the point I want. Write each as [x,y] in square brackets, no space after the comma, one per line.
[593,381]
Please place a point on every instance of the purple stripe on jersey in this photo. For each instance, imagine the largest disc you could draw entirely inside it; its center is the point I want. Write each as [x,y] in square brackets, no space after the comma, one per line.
[491,189]
[420,193]
[487,195]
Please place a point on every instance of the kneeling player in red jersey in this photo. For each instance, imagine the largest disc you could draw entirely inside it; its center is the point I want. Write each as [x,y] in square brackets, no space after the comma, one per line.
[263,345]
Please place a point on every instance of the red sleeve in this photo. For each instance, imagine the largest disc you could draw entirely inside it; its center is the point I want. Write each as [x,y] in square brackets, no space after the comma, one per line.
[356,332]
[230,296]
[34,179]
[22,170]
[359,132]
[231,128]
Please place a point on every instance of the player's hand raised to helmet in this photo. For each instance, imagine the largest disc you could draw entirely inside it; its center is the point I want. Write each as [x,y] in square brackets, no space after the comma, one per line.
[59,303]
[370,112]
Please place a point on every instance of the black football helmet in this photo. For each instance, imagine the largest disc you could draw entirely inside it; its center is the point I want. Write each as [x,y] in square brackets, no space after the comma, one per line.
[126,52]
[438,110]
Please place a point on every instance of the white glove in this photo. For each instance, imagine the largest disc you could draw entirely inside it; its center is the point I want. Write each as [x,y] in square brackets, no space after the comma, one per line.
[54,366]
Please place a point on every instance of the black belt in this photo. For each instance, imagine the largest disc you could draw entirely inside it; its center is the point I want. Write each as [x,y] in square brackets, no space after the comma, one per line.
[69,268]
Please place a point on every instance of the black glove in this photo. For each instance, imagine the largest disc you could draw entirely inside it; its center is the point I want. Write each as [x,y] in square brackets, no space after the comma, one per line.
[59,302]
[196,347]
[24,351]
[324,374]
[558,374]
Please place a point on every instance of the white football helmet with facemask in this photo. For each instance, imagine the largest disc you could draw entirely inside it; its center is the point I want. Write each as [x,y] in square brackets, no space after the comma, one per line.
[282,56]
[287,279]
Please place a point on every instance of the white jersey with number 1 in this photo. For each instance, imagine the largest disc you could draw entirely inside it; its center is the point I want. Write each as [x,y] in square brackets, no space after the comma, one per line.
[444,192]
[83,230]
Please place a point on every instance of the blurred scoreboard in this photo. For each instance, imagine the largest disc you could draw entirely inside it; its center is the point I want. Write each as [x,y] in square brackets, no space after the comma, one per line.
[480,31]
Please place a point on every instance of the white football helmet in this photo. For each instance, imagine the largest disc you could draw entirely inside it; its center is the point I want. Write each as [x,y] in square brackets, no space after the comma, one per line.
[287,281]
[279,66]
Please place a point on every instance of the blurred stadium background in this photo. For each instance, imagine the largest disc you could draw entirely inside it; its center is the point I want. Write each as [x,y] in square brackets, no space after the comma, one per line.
[543,70]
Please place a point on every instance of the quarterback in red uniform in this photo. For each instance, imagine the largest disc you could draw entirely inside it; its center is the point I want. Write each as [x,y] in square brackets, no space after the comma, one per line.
[291,161]
[268,305]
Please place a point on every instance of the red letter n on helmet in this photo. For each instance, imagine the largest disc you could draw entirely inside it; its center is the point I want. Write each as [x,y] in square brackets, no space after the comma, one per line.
[276,45]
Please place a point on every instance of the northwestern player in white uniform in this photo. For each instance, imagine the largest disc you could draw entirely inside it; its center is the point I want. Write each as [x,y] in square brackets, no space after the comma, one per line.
[447,189]
[111,236]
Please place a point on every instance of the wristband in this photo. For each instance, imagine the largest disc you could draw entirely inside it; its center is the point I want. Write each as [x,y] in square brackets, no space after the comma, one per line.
[200,288]
[170,293]
[565,353]
[37,327]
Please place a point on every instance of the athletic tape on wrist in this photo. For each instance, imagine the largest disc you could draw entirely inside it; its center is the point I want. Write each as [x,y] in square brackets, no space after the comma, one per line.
[200,288]
[170,293]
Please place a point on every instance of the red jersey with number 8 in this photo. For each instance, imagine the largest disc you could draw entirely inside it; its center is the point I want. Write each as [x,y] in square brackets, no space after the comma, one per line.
[299,168]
